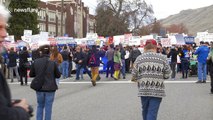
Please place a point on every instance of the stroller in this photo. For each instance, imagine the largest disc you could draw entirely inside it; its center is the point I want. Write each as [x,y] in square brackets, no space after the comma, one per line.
[192,67]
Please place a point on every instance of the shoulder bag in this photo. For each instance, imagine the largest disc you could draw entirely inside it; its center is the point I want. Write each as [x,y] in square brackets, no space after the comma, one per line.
[39,79]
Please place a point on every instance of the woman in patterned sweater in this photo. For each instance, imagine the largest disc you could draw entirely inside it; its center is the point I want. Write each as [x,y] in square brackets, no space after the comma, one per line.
[150,70]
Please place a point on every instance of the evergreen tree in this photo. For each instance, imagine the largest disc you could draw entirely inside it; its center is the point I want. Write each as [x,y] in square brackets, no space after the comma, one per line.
[24,15]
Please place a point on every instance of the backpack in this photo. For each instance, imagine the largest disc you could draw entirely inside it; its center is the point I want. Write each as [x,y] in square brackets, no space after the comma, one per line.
[92,60]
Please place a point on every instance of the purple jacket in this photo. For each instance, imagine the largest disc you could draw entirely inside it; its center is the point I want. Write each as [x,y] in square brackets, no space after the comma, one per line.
[97,54]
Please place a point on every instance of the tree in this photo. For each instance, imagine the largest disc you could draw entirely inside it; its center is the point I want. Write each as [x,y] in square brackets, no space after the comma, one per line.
[145,30]
[156,27]
[121,16]
[177,28]
[23,16]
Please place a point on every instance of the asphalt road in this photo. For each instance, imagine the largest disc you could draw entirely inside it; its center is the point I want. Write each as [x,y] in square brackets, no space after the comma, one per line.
[112,100]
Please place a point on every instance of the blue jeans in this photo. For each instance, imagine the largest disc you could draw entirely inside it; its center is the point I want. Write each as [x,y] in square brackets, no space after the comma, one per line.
[44,101]
[110,68]
[78,70]
[202,71]
[65,68]
[150,106]
[82,73]
[86,70]
[185,68]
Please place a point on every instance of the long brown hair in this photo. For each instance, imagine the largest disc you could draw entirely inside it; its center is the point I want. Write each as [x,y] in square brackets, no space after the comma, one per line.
[55,51]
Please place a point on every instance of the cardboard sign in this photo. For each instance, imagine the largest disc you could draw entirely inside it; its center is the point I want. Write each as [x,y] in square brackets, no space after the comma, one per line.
[127,38]
[166,42]
[28,32]
[189,40]
[180,40]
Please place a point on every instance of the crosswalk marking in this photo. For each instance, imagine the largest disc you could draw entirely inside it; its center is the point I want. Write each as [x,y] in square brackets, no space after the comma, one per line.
[115,82]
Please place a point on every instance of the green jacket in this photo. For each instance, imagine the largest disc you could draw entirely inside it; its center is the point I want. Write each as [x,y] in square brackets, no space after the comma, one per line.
[117,57]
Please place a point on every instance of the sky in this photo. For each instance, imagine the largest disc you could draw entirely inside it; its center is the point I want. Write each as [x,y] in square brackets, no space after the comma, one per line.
[163,8]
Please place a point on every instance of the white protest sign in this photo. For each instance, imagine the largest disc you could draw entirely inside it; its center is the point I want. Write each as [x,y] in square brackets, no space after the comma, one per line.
[28,32]
[65,40]
[44,36]
[147,37]
[35,38]
[92,36]
[180,39]
[127,38]
[172,40]
[118,39]
[135,41]
[26,38]
[10,38]
[166,42]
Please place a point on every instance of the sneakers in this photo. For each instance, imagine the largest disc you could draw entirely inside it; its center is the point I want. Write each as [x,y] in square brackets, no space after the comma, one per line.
[204,81]
[115,78]
[199,81]
[93,83]
[98,78]
[133,80]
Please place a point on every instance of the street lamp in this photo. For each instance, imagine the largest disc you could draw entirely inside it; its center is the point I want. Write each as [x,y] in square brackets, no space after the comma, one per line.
[62,9]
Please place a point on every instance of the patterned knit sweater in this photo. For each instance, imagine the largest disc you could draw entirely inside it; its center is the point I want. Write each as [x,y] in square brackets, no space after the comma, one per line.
[150,70]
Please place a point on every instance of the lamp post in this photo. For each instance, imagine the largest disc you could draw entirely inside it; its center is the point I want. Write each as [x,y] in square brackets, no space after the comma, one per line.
[62,11]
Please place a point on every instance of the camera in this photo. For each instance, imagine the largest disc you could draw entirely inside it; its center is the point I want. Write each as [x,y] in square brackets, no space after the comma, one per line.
[29,107]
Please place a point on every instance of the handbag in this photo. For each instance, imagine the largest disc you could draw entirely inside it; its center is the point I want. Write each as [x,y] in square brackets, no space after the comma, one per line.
[39,79]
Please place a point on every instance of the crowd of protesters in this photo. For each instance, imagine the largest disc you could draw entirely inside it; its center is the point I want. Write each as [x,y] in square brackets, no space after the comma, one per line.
[120,61]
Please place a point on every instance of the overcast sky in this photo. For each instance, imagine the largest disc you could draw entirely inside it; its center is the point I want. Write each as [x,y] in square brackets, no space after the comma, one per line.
[163,8]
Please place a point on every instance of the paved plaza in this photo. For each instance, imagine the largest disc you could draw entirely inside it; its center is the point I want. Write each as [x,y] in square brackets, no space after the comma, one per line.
[117,100]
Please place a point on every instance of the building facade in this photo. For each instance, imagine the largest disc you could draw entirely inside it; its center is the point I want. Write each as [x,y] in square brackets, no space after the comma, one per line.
[76,18]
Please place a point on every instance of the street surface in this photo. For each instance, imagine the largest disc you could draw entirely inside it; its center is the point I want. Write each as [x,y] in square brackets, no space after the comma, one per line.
[117,100]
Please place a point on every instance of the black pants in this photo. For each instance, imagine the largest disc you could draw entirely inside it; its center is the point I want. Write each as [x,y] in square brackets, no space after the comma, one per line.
[21,79]
[70,69]
[173,66]
[211,76]
[127,64]
[185,68]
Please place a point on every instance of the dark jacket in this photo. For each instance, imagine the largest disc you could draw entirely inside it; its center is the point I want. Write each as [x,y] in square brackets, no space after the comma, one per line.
[23,58]
[65,54]
[173,54]
[51,73]
[184,55]
[123,53]
[134,54]
[7,111]
[86,58]
[78,56]
[12,56]
[35,54]
[98,54]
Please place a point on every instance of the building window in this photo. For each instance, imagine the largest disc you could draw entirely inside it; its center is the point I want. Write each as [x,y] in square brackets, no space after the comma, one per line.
[51,16]
[42,15]
[52,29]
[42,27]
